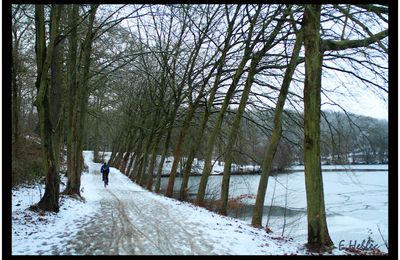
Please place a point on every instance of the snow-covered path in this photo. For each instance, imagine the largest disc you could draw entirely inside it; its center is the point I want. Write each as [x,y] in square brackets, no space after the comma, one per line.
[132,221]
[125,219]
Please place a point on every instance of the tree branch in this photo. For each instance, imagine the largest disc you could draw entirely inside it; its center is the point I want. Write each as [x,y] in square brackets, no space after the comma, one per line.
[331,45]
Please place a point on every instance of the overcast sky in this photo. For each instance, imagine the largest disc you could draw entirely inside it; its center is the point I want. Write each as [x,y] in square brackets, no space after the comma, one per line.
[362,102]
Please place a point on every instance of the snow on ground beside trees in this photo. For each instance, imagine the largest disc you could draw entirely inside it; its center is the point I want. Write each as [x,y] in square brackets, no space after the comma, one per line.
[124,218]
[198,165]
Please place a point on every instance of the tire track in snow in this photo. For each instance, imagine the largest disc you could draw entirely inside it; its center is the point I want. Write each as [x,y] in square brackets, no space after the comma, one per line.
[131,222]
[127,231]
[169,233]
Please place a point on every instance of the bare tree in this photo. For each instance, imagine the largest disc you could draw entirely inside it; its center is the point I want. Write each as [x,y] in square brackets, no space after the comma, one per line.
[318,236]
[255,60]
[276,133]
[78,97]
[47,117]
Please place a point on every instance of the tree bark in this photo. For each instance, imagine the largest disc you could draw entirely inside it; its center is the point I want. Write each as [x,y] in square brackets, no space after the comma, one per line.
[276,134]
[15,95]
[233,133]
[153,162]
[138,155]
[318,236]
[73,16]
[215,131]
[161,163]
[79,109]
[50,199]
[200,131]
[177,154]
[125,159]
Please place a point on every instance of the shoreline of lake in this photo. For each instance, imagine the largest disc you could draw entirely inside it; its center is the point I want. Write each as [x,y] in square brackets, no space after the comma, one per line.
[289,170]
[356,201]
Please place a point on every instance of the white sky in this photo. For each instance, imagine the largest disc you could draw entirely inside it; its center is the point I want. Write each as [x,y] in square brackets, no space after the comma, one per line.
[363,103]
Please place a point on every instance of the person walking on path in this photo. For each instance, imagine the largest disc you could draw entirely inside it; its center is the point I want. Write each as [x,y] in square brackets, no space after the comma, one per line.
[105,170]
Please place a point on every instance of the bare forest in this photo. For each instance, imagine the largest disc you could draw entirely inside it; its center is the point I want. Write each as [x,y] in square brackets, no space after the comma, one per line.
[250,84]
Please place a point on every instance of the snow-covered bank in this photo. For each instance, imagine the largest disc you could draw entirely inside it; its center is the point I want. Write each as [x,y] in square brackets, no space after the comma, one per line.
[34,234]
[345,167]
[356,203]
[126,219]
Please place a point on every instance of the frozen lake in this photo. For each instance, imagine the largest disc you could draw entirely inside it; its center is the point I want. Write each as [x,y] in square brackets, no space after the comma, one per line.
[356,201]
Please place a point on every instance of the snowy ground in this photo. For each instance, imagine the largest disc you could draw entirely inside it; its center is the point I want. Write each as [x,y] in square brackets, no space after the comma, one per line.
[198,165]
[125,219]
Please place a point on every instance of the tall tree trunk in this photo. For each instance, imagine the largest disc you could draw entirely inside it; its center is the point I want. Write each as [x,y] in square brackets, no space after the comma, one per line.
[177,154]
[213,136]
[229,94]
[50,199]
[238,116]
[161,163]
[116,162]
[215,131]
[79,105]
[276,134]
[200,131]
[187,171]
[73,16]
[142,166]
[192,107]
[56,100]
[96,154]
[116,144]
[136,154]
[233,135]
[142,172]
[131,160]
[84,96]
[15,96]
[318,236]
[126,156]
[153,162]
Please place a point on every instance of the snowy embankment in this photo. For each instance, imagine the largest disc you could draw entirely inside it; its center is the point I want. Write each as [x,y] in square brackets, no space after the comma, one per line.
[126,219]
[345,167]
[198,166]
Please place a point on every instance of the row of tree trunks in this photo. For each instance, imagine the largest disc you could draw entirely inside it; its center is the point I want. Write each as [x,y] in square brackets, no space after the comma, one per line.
[228,156]
[177,153]
[276,133]
[135,157]
[121,149]
[153,162]
[177,80]
[192,105]
[124,162]
[96,145]
[135,163]
[210,101]
[215,131]
[142,176]
[162,159]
